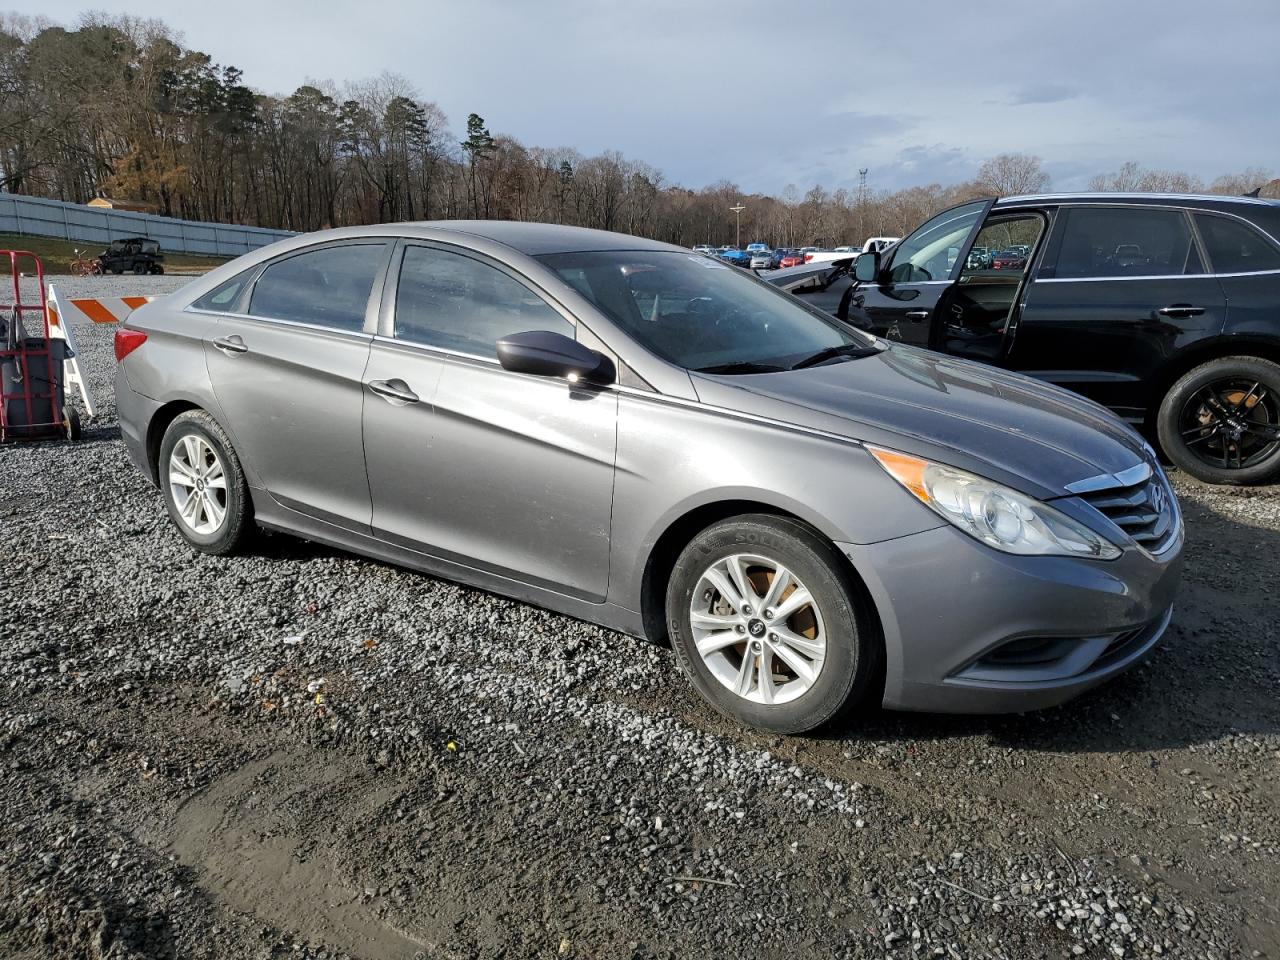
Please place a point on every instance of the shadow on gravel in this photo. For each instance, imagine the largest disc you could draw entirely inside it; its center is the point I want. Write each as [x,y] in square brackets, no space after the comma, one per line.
[1214,675]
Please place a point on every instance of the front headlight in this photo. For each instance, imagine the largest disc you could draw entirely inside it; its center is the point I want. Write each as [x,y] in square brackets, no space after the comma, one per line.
[998,516]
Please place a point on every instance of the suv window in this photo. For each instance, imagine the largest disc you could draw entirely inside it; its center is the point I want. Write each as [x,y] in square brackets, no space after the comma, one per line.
[930,253]
[328,287]
[1235,247]
[452,301]
[1124,242]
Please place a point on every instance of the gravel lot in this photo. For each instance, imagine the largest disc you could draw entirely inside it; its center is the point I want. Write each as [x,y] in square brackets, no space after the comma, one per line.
[303,753]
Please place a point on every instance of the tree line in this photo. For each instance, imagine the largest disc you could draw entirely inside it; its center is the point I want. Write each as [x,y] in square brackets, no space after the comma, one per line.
[117,106]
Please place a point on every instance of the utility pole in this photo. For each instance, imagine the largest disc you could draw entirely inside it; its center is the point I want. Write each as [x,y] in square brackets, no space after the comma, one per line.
[737,212]
[862,202]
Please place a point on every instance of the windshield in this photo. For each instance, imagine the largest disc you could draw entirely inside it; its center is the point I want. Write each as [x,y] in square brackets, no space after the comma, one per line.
[700,314]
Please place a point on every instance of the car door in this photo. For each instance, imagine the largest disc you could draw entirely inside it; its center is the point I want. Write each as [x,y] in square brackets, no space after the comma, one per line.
[288,376]
[1121,288]
[975,317]
[505,472]
[900,303]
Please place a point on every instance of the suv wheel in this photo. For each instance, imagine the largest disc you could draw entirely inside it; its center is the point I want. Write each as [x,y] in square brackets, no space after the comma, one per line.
[1221,421]
[765,624]
[203,484]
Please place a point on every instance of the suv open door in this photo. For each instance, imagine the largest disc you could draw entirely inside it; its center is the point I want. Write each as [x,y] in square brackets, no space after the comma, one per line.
[901,291]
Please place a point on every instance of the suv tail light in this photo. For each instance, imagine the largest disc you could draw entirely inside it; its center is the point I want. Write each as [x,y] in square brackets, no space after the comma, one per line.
[128,341]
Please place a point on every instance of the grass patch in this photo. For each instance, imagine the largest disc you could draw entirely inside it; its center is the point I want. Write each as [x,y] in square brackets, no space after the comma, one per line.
[56,255]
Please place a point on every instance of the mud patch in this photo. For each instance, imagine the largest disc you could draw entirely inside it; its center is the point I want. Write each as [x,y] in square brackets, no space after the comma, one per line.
[266,840]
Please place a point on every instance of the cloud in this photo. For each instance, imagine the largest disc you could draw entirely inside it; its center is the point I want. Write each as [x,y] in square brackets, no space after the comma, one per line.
[1042,93]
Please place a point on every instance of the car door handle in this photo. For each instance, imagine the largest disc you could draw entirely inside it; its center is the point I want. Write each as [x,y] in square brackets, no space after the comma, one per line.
[1179,310]
[229,345]
[918,314]
[395,392]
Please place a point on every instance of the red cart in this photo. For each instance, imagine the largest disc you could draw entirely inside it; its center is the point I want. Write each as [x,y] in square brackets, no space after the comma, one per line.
[31,366]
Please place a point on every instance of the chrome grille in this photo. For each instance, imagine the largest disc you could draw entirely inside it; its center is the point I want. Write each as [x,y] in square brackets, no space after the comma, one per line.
[1144,510]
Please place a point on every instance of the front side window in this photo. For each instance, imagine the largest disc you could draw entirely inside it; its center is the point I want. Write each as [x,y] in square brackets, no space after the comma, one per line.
[700,314]
[328,287]
[931,252]
[1124,242]
[1235,247]
[1001,251]
[452,301]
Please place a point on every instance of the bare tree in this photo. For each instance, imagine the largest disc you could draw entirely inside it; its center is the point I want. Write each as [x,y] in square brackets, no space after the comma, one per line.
[1008,174]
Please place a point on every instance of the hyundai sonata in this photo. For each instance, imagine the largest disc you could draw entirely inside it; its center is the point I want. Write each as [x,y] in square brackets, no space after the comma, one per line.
[648,439]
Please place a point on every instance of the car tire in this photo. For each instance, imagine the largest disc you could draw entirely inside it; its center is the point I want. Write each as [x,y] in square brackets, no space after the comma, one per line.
[1198,439]
[851,650]
[139,269]
[221,524]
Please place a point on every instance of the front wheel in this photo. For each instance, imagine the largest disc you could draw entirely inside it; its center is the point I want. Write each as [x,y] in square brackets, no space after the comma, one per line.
[766,626]
[203,484]
[1221,421]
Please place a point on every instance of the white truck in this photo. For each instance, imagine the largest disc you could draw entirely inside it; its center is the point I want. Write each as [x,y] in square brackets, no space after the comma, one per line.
[878,244]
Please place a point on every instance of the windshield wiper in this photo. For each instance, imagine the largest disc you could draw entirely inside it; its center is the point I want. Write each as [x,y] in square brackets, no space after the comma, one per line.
[742,366]
[850,350]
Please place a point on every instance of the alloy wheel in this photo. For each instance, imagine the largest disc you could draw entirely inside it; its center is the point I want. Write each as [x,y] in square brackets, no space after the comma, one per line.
[758,629]
[198,484]
[1231,424]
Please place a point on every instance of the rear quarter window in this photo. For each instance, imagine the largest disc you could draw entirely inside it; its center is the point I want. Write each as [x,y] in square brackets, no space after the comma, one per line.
[1236,247]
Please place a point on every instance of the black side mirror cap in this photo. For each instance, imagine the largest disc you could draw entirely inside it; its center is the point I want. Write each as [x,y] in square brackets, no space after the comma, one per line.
[866,269]
[547,354]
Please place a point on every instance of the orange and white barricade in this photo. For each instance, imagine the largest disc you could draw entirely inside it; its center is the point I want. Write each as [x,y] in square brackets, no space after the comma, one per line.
[95,309]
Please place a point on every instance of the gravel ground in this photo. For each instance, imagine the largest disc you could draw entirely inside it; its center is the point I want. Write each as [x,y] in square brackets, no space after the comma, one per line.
[303,753]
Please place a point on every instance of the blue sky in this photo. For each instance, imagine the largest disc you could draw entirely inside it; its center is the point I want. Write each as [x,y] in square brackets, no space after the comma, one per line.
[766,93]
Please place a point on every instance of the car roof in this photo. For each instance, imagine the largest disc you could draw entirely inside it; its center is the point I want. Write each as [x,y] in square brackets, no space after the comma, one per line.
[1189,199]
[537,239]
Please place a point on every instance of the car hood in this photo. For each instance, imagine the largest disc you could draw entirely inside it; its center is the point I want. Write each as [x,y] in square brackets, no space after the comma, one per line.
[1027,434]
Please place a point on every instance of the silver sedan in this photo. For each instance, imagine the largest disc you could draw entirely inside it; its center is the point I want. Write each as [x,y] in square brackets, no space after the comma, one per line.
[651,440]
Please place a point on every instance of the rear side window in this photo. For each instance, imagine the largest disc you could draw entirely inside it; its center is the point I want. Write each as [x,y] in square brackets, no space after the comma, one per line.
[328,287]
[1235,247]
[1124,242]
[225,296]
[448,300]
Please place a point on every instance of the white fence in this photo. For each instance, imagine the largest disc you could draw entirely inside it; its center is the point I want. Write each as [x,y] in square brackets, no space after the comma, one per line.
[94,226]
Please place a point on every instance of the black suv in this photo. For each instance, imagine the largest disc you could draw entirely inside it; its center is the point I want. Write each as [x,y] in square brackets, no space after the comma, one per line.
[1164,308]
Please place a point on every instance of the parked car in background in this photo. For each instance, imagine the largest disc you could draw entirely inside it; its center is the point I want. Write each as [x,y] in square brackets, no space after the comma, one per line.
[739,258]
[879,244]
[757,248]
[760,260]
[980,258]
[845,253]
[1008,260]
[1163,307]
[647,439]
[710,251]
[792,258]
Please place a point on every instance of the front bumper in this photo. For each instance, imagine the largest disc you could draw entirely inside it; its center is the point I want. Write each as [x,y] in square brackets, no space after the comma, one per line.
[947,603]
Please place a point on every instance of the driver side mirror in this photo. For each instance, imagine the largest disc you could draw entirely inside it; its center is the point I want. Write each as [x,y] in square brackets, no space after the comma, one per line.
[867,267]
[546,354]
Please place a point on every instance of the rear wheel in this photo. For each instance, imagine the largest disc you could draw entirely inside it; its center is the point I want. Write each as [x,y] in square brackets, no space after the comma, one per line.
[139,268]
[71,424]
[1221,421]
[203,484]
[766,627]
